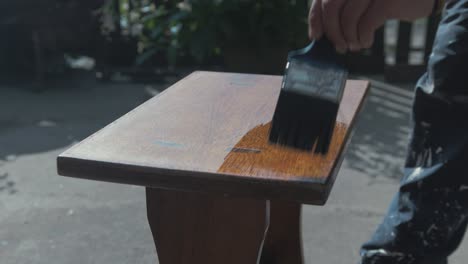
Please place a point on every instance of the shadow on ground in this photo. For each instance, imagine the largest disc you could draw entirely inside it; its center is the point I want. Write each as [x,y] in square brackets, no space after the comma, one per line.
[37,122]
[379,143]
[65,112]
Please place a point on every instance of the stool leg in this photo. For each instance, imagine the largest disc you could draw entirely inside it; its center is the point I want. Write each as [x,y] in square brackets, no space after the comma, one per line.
[283,244]
[192,228]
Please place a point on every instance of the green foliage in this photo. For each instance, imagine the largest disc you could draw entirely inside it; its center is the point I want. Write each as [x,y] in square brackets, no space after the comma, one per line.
[202,29]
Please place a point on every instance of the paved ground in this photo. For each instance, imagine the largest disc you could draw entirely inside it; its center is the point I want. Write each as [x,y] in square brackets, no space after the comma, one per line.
[49,219]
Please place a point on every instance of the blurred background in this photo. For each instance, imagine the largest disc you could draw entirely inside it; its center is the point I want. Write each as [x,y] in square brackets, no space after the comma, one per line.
[143,39]
[69,67]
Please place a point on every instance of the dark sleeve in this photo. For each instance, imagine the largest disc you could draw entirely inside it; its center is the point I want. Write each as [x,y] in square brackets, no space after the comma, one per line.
[447,70]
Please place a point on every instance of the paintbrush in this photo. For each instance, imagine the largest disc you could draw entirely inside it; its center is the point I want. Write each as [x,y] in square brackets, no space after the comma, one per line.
[310,95]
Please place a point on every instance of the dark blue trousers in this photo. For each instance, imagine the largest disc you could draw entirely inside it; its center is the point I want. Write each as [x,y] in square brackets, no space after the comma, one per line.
[428,217]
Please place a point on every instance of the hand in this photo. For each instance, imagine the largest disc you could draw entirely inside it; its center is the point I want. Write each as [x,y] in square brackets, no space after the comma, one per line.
[351,24]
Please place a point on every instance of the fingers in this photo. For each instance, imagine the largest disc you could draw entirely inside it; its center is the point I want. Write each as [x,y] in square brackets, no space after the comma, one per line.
[315,20]
[373,18]
[331,11]
[348,24]
[350,18]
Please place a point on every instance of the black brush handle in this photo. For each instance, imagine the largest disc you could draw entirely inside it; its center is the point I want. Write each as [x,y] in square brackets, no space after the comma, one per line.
[322,50]
[316,70]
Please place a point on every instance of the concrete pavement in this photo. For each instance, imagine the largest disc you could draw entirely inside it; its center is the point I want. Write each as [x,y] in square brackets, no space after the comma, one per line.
[49,219]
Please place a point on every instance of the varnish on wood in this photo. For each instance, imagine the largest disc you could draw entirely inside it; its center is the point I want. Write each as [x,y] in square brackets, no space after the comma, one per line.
[209,133]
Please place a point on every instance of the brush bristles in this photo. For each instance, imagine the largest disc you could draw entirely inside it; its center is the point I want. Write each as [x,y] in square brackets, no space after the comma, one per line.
[303,122]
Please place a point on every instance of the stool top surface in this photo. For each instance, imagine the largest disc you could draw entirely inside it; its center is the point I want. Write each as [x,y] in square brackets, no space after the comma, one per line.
[209,133]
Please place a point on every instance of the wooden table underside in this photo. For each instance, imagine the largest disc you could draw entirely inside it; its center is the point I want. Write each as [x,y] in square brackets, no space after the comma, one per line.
[198,228]
[217,191]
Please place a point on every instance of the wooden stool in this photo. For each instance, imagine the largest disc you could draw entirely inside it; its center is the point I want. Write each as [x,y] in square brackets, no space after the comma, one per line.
[217,191]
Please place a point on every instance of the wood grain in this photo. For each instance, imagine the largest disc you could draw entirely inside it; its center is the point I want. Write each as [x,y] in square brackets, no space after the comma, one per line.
[208,133]
[253,155]
[192,228]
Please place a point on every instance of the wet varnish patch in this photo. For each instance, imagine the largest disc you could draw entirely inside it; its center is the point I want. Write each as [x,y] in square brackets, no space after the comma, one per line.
[254,156]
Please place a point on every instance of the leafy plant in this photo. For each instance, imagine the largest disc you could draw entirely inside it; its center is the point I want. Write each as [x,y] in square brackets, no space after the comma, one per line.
[203,29]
